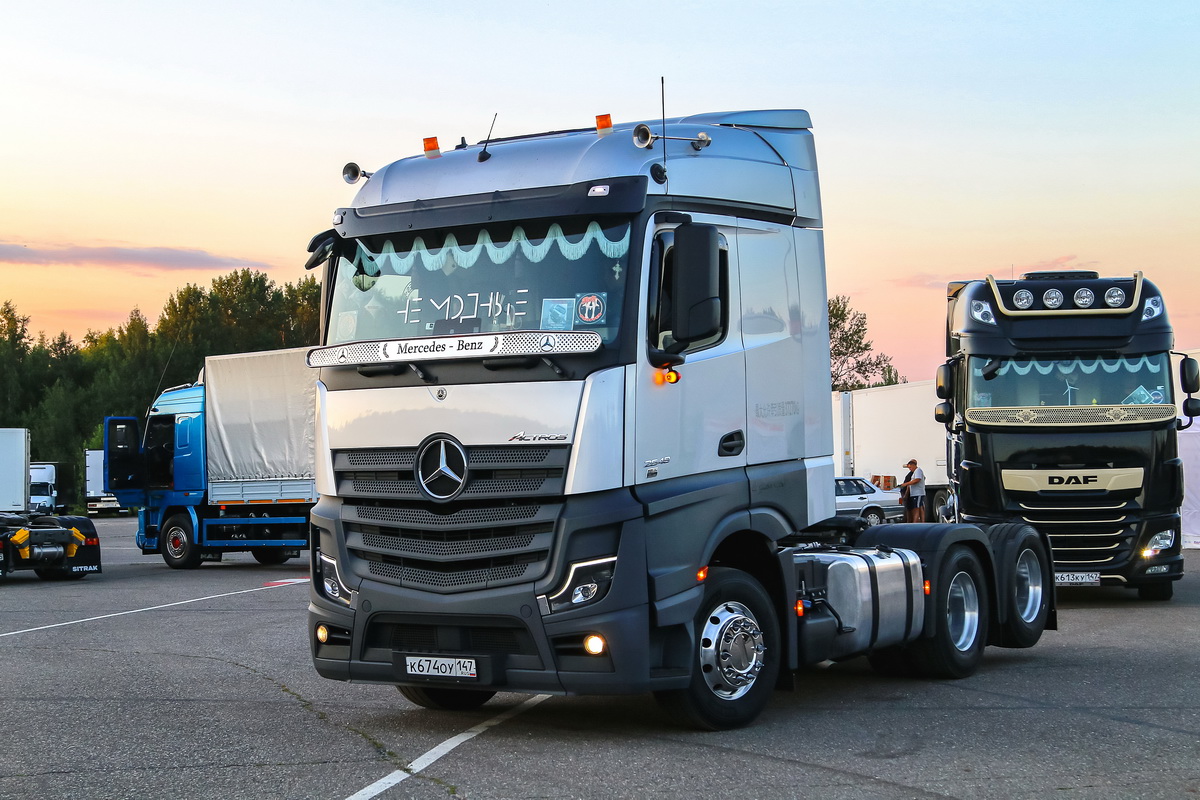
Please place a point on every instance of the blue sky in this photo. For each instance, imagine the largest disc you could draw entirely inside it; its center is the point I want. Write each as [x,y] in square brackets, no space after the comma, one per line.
[148,145]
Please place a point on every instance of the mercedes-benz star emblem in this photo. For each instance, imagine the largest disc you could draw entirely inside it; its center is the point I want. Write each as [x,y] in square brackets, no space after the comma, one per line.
[441,468]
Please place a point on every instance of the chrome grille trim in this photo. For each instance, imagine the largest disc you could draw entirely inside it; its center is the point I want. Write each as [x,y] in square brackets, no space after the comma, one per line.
[1071,415]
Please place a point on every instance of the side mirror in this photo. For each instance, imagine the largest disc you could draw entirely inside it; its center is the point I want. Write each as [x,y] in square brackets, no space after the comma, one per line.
[1191,407]
[1189,375]
[943,413]
[943,383]
[696,284]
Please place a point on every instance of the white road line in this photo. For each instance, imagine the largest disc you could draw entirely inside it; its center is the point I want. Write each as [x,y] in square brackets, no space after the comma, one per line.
[388,781]
[273,585]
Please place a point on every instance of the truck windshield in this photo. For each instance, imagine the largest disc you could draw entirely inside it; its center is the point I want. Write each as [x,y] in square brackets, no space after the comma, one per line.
[555,275]
[1068,381]
[39,489]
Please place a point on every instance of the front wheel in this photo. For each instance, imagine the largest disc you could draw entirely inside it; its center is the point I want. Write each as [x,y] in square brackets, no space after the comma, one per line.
[441,698]
[960,619]
[178,543]
[737,652]
[873,517]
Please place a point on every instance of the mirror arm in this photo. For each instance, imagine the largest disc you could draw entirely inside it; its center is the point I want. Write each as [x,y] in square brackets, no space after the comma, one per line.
[664,359]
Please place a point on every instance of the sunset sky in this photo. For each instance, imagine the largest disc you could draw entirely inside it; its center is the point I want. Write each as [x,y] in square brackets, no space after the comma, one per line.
[146,145]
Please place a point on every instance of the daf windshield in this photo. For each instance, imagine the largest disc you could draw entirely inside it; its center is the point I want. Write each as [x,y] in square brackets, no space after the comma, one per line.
[1068,381]
[551,275]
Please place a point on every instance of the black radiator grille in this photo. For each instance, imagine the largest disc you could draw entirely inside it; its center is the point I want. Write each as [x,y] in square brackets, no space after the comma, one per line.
[498,531]
[1087,532]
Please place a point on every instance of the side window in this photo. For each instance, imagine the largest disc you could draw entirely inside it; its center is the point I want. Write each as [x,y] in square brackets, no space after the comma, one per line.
[844,488]
[661,302]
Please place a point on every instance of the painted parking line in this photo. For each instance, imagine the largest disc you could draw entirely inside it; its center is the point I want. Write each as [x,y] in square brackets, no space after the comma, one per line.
[388,781]
[271,585]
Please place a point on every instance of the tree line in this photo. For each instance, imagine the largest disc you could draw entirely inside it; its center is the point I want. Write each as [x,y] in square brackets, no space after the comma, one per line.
[62,390]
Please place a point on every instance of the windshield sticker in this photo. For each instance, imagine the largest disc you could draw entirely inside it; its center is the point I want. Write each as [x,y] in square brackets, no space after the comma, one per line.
[346,324]
[590,308]
[558,314]
[1138,397]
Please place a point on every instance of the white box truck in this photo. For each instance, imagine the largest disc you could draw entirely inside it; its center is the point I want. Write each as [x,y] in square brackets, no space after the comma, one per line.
[876,431]
[98,500]
[53,547]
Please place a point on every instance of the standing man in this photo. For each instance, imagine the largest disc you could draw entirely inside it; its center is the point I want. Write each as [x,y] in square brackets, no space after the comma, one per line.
[913,487]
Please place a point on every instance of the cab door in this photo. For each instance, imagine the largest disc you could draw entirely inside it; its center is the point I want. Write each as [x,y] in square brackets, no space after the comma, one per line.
[697,425]
[124,462]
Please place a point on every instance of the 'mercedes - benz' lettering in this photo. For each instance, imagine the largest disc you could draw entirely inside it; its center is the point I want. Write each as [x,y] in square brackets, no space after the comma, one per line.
[1072,480]
[408,348]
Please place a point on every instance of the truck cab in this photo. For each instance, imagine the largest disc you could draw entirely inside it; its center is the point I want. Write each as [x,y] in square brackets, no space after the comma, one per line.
[1058,400]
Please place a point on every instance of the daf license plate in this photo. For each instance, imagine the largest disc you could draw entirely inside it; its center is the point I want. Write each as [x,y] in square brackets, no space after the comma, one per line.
[1077,579]
[435,667]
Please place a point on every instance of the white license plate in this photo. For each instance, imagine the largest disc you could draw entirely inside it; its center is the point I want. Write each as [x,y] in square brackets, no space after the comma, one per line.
[1077,578]
[433,667]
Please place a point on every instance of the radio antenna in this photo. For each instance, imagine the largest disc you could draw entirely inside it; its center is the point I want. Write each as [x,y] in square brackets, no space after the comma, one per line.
[484,155]
[662,87]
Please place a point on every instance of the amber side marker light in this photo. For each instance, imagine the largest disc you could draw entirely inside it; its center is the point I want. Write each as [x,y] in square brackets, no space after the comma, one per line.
[431,147]
[927,587]
[603,124]
[799,608]
[702,574]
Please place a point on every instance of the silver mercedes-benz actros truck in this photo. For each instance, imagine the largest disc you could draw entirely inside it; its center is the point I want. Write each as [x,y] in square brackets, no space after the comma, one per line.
[574,435]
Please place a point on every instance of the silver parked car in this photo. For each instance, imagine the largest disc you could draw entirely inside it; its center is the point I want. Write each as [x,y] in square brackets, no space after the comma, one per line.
[858,497]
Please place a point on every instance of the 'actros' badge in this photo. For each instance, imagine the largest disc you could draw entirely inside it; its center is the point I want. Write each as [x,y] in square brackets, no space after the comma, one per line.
[441,468]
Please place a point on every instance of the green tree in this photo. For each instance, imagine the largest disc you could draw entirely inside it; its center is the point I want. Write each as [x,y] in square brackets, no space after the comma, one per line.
[853,362]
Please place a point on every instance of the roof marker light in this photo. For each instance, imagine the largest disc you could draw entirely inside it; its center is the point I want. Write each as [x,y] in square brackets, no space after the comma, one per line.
[603,124]
[431,147]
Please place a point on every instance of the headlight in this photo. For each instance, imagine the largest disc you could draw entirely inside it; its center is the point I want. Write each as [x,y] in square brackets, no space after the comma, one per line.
[1153,308]
[982,312]
[587,582]
[1163,540]
[328,581]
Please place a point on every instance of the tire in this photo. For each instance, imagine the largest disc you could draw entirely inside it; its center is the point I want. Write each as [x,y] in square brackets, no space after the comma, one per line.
[1029,591]
[444,699]
[960,619]
[735,625]
[177,542]
[873,517]
[269,555]
[1156,592]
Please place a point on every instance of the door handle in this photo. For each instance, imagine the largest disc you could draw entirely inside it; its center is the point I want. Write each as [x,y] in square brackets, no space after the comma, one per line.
[732,444]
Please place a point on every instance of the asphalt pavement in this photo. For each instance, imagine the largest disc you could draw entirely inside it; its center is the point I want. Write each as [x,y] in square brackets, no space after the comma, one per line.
[146,682]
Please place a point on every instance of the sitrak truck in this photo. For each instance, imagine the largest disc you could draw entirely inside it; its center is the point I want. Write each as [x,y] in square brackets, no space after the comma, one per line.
[1059,404]
[574,435]
[54,547]
[224,465]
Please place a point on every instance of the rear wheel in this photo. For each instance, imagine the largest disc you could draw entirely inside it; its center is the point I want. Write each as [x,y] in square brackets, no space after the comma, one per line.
[1156,591]
[1030,587]
[737,655]
[873,517]
[177,541]
[960,619]
[442,698]
[269,555]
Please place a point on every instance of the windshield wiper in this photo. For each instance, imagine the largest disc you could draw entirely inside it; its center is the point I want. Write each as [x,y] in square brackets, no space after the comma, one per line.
[375,370]
[524,362]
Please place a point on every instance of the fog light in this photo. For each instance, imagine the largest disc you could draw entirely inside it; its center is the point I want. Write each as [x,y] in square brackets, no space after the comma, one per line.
[1161,568]
[594,644]
[322,634]
[1159,542]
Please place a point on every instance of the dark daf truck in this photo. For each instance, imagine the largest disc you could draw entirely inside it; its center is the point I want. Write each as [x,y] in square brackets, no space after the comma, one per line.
[1060,409]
